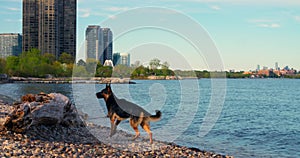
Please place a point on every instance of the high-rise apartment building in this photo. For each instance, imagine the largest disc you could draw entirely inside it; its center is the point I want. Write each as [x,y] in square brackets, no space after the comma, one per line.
[276,66]
[121,59]
[258,68]
[50,26]
[108,44]
[98,43]
[125,59]
[94,43]
[116,58]
[10,44]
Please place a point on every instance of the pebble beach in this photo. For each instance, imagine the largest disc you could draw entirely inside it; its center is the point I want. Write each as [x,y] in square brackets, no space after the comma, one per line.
[60,141]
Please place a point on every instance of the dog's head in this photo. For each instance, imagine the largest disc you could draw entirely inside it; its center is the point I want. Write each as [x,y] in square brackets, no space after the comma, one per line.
[104,93]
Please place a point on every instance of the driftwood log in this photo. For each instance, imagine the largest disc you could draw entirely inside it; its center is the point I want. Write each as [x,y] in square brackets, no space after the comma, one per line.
[42,109]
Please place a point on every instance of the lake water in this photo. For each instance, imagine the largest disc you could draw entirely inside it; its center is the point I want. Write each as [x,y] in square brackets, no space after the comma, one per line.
[239,117]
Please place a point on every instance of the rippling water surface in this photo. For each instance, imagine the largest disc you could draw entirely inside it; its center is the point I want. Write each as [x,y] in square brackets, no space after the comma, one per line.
[259,117]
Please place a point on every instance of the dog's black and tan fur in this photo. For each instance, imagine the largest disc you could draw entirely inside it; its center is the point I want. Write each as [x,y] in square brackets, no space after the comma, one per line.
[120,109]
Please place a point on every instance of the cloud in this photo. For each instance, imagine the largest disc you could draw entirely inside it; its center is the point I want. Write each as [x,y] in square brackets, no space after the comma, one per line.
[13,20]
[262,21]
[273,25]
[297,18]
[112,17]
[116,9]
[215,7]
[265,23]
[84,13]
[14,9]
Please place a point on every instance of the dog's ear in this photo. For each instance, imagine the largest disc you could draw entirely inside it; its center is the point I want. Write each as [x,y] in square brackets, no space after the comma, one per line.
[107,85]
[109,89]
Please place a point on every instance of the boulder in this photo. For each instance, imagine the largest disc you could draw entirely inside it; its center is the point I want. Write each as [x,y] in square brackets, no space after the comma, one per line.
[42,109]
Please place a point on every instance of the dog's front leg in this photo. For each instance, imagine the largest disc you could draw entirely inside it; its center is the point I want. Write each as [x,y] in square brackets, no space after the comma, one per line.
[114,123]
[115,127]
[112,126]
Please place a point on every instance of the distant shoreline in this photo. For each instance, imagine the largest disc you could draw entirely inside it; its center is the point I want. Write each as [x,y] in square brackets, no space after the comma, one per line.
[70,80]
[101,80]
[88,80]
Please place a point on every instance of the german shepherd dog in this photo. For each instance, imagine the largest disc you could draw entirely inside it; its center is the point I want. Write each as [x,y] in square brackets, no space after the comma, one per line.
[120,109]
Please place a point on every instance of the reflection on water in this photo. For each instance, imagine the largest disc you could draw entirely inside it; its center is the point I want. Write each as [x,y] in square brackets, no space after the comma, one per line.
[15,91]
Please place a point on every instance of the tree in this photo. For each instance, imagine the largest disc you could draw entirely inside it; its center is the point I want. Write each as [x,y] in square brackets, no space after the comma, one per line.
[104,71]
[136,64]
[30,63]
[45,68]
[58,69]
[12,65]
[203,74]
[91,65]
[121,71]
[48,58]
[68,70]
[165,65]
[2,65]
[80,71]
[154,63]
[140,72]
[66,58]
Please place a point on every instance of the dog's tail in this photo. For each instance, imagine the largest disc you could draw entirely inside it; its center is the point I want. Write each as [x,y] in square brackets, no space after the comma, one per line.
[155,117]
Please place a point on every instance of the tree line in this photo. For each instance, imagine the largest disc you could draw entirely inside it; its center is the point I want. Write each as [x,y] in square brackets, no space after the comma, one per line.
[35,64]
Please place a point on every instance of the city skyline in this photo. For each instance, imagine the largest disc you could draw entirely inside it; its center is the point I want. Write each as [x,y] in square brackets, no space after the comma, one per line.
[246,33]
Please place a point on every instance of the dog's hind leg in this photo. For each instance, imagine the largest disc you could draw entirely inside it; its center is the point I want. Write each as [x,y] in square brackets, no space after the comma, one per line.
[134,125]
[146,127]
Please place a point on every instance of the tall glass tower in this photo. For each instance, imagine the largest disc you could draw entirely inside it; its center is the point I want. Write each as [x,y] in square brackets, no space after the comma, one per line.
[108,44]
[94,43]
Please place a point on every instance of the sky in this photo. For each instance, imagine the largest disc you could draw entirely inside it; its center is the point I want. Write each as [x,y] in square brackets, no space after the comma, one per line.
[189,34]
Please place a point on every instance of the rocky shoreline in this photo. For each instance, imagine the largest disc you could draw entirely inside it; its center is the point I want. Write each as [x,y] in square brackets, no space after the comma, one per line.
[59,141]
[78,141]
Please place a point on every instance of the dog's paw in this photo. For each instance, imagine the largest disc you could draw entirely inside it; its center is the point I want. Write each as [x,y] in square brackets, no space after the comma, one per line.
[112,133]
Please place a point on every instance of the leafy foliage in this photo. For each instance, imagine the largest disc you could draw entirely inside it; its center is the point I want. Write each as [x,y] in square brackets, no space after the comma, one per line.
[156,69]
[33,64]
[2,65]
[122,71]
[154,63]
[12,66]
[66,58]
